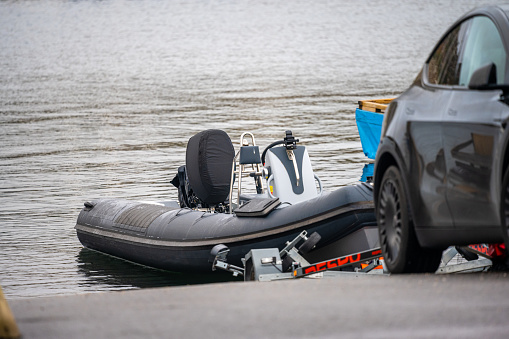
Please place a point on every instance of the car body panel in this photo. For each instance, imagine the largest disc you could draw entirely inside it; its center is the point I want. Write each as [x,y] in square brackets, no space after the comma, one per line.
[450,143]
[473,127]
[421,147]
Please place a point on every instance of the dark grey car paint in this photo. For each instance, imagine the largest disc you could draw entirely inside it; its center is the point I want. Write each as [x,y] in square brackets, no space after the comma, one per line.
[450,144]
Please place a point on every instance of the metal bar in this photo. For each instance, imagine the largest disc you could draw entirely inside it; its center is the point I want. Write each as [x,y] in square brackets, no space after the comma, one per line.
[448,255]
[275,276]
[336,263]
[369,268]
[230,196]
[293,243]
[230,268]
[294,254]
[476,265]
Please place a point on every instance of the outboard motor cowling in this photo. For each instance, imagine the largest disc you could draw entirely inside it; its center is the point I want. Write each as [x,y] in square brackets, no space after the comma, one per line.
[209,160]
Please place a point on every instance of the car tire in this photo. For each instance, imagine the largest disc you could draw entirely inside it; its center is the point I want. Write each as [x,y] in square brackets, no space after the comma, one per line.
[400,248]
[504,210]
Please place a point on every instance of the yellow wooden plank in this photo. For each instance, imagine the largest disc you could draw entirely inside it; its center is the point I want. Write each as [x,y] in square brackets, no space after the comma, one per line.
[372,109]
[375,105]
[8,327]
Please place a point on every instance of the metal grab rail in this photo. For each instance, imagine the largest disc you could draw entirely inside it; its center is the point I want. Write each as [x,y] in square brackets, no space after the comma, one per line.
[259,184]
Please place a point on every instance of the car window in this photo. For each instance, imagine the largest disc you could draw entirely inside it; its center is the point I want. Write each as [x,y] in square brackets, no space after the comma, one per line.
[444,66]
[483,46]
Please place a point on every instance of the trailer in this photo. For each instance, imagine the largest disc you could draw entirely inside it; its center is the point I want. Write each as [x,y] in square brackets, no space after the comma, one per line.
[270,264]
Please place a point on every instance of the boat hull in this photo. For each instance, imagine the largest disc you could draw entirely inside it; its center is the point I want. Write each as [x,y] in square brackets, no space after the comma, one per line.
[181,239]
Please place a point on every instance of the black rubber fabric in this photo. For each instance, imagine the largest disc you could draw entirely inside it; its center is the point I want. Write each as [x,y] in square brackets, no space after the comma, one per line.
[209,158]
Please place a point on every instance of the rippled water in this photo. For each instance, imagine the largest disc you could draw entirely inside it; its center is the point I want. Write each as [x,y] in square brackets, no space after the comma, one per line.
[99,98]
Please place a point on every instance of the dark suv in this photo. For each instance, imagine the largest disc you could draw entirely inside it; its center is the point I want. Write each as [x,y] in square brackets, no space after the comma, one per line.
[441,173]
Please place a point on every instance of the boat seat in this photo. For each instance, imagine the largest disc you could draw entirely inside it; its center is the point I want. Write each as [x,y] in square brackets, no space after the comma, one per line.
[283,182]
[249,155]
[209,160]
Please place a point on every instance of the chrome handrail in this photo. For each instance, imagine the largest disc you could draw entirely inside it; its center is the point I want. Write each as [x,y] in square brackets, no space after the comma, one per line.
[243,142]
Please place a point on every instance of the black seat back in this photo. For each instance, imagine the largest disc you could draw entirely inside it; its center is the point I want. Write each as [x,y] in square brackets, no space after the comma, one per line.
[209,159]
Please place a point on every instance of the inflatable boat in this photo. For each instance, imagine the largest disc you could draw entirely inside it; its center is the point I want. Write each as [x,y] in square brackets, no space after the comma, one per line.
[215,207]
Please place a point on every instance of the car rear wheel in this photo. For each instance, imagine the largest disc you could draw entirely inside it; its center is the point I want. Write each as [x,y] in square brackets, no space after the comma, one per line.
[401,251]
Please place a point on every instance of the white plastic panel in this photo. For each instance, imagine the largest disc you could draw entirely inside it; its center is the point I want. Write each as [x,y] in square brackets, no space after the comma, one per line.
[281,186]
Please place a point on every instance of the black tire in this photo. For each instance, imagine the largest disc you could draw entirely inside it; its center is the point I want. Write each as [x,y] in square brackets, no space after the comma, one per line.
[309,244]
[287,263]
[504,210]
[400,248]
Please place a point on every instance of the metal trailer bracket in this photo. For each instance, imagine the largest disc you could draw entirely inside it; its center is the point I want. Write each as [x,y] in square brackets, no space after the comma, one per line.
[470,266]
[267,264]
[270,264]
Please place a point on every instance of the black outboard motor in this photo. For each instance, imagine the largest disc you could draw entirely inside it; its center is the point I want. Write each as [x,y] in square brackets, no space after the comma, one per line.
[205,180]
[185,193]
